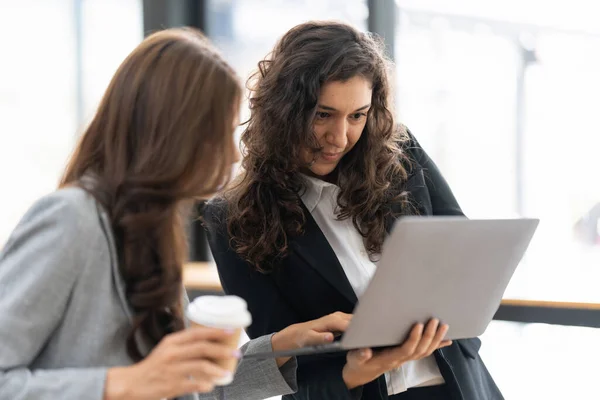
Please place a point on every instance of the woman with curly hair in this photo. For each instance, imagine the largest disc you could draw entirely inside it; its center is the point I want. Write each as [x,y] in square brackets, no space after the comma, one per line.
[326,172]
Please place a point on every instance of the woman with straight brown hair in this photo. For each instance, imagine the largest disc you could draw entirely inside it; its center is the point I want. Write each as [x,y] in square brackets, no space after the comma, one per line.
[91,294]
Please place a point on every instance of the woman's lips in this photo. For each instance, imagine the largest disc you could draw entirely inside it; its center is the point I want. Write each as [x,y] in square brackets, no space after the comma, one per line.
[330,156]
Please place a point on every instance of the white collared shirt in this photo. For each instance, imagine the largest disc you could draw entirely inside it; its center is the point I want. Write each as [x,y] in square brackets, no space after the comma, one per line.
[320,199]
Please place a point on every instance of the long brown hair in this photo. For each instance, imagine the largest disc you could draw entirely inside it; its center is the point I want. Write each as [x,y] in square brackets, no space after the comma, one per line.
[162,136]
[264,208]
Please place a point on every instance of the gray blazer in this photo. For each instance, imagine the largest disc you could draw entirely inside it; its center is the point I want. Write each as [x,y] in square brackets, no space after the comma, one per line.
[64,316]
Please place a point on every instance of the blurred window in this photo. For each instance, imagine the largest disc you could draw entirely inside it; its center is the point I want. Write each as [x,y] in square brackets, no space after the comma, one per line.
[505,99]
[58,57]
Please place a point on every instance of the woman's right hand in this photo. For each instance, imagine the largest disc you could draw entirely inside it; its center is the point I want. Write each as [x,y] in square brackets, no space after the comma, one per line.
[182,363]
[315,332]
[364,366]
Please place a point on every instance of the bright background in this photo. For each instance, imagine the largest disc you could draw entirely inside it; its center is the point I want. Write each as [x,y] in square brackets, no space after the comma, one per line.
[502,94]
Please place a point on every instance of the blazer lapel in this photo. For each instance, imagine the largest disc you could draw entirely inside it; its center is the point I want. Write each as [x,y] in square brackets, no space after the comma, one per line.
[314,248]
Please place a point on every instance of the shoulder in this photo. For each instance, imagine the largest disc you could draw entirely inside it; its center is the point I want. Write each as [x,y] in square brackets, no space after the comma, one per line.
[214,214]
[68,214]
[408,151]
[409,145]
[215,209]
[53,238]
[72,205]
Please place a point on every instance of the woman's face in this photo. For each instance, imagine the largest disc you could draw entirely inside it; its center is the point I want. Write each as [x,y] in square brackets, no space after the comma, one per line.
[340,119]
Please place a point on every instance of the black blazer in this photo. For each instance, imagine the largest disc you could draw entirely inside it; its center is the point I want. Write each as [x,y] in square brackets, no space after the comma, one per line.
[311,283]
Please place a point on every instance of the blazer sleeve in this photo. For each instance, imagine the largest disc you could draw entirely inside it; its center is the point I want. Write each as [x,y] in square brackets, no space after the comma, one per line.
[443,201]
[270,311]
[258,379]
[38,270]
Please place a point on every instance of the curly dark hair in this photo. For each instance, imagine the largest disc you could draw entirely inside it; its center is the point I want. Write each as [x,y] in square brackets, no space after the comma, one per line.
[161,138]
[264,208]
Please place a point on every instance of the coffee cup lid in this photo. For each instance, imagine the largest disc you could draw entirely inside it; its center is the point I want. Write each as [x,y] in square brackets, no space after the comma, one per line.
[219,312]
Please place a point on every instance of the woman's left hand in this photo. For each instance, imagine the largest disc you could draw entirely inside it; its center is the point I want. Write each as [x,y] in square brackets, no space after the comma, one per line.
[318,331]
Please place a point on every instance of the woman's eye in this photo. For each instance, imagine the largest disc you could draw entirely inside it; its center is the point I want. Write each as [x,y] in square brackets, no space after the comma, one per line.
[358,115]
[322,115]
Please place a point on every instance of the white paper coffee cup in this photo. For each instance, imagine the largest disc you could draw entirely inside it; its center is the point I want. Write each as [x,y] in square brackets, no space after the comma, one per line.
[223,312]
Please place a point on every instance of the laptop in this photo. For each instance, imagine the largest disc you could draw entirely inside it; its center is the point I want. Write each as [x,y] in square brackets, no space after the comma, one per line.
[451,268]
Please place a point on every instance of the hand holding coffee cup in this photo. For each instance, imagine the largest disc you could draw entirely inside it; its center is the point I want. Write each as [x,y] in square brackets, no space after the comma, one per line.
[183,362]
[229,313]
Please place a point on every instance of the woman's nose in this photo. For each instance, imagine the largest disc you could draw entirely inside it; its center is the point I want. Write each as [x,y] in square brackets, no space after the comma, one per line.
[338,135]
